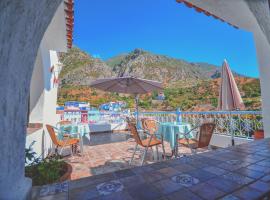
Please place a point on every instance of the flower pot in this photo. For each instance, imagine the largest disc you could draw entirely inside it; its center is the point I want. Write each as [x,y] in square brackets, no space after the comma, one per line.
[258,134]
[67,175]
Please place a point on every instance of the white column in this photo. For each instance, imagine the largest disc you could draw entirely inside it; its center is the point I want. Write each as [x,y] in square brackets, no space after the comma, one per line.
[263,57]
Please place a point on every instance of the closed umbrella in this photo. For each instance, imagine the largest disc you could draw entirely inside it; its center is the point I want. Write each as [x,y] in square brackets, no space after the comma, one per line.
[127,85]
[229,95]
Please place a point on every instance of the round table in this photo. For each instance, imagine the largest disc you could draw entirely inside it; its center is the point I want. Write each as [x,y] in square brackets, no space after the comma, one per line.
[77,129]
[172,131]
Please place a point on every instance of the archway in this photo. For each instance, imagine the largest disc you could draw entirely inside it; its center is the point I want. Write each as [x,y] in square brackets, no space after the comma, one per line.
[24,26]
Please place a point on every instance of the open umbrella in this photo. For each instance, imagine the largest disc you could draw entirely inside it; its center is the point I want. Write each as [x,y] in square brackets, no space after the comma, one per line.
[128,85]
[229,95]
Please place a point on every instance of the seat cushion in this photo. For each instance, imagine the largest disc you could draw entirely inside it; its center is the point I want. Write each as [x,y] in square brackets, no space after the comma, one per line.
[70,141]
[188,142]
[153,142]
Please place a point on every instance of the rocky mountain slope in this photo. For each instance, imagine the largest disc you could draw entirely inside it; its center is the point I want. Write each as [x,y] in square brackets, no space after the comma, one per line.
[81,69]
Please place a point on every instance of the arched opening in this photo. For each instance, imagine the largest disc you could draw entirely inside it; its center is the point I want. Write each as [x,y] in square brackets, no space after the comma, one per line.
[21,40]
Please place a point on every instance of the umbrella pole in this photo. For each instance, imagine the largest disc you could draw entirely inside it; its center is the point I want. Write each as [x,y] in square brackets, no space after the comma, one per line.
[231,129]
[137,110]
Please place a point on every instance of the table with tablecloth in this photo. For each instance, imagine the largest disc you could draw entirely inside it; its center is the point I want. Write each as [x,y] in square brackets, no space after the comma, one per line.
[171,131]
[80,130]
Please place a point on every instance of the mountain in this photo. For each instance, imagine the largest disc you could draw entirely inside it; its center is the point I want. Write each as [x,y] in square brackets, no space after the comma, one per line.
[190,86]
[168,70]
[81,68]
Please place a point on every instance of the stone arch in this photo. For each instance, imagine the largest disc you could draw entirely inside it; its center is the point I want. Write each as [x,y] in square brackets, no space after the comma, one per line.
[24,25]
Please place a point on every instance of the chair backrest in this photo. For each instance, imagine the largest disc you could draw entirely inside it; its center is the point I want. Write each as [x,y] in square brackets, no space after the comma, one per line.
[206,132]
[150,125]
[52,134]
[134,132]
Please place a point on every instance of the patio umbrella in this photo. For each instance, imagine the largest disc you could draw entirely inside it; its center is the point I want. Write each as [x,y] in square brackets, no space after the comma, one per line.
[127,85]
[229,95]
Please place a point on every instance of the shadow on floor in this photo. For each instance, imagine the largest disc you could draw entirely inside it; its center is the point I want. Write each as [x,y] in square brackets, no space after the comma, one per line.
[108,137]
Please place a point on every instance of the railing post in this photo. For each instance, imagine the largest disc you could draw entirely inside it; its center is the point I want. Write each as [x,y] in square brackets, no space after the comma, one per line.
[178,115]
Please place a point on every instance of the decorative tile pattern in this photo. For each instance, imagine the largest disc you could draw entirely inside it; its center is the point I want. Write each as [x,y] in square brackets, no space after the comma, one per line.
[185,180]
[110,187]
[53,189]
[193,177]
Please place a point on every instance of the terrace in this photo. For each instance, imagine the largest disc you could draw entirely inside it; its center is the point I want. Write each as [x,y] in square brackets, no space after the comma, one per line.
[105,160]
[31,38]
[240,172]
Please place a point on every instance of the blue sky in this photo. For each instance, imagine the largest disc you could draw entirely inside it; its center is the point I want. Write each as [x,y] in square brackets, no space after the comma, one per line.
[107,28]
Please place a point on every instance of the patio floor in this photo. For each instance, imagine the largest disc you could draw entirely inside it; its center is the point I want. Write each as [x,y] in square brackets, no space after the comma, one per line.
[240,172]
[109,152]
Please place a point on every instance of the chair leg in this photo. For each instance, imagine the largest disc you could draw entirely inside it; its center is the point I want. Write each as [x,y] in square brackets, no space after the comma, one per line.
[60,153]
[136,146]
[163,148]
[157,152]
[144,154]
[71,150]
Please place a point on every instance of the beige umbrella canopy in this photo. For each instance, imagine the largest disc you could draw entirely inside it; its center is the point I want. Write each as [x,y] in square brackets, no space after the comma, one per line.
[229,95]
[128,85]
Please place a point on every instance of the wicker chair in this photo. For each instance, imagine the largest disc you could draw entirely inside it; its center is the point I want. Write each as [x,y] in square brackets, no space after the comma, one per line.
[67,141]
[206,131]
[151,126]
[145,143]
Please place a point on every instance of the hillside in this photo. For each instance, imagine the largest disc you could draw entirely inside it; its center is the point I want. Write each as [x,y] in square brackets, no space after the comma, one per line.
[190,86]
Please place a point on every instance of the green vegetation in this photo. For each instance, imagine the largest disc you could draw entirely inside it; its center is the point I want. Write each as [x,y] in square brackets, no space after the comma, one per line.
[44,171]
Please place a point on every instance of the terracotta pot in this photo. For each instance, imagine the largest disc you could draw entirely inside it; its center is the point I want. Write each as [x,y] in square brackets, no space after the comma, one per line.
[66,176]
[258,134]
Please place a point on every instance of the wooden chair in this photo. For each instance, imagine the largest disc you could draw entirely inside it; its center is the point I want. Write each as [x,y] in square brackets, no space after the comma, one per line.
[145,143]
[206,131]
[67,141]
[151,126]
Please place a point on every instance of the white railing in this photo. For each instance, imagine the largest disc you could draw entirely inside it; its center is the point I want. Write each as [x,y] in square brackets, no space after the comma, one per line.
[241,123]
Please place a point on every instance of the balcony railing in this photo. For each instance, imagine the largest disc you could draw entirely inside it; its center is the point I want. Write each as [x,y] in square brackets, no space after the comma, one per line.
[241,123]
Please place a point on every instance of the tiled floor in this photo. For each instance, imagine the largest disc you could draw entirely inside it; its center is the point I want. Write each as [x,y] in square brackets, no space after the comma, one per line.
[210,175]
[109,152]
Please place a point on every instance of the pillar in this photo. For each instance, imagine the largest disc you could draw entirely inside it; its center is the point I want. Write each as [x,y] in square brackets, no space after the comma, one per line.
[23,24]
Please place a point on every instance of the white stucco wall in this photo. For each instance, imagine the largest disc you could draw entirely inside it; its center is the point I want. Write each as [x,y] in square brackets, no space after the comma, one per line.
[43,91]
[43,95]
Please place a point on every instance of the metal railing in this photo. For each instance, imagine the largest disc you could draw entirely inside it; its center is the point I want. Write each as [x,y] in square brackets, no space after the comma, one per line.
[241,123]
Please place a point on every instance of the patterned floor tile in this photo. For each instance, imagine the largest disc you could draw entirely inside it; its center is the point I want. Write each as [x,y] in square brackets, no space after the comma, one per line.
[110,187]
[185,180]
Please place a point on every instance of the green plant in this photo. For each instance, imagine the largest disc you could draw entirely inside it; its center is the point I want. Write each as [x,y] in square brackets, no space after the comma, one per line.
[46,171]
[30,155]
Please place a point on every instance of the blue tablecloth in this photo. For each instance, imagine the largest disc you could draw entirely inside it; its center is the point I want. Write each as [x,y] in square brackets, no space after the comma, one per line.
[169,130]
[82,129]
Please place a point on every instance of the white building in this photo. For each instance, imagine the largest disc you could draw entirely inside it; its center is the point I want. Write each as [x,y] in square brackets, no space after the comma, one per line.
[44,81]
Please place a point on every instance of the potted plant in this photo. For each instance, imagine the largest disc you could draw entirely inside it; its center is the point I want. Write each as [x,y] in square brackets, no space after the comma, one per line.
[45,171]
[258,132]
